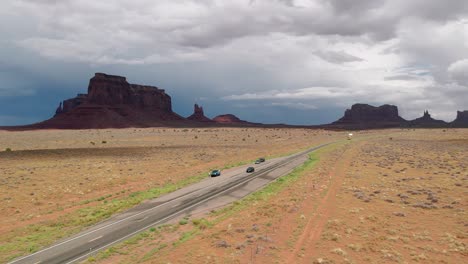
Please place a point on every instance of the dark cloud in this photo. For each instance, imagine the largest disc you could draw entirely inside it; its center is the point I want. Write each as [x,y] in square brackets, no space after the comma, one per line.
[401,78]
[288,55]
[355,7]
[337,57]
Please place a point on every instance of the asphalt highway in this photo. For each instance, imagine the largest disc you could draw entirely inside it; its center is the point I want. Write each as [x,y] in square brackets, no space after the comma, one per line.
[193,200]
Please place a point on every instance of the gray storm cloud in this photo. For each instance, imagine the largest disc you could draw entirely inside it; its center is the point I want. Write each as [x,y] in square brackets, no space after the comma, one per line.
[285,53]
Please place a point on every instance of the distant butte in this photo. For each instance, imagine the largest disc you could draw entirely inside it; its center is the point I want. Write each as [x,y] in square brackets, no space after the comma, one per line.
[364,116]
[112,102]
[461,120]
[427,121]
[199,115]
[229,119]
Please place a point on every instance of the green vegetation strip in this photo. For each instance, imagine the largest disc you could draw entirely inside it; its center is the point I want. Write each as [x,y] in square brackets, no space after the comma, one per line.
[154,235]
[33,237]
[30,239]
[201,224]
[268,191]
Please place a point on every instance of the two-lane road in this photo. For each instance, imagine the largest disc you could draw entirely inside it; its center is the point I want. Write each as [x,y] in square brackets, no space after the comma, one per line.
[194,199]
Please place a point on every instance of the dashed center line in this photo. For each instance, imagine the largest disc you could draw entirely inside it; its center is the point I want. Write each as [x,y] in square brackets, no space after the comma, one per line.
[139,220]
[94,239]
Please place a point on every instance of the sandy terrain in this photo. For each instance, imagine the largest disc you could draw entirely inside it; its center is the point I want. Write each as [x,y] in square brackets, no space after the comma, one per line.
[397,196]
[403,200]
[49,176]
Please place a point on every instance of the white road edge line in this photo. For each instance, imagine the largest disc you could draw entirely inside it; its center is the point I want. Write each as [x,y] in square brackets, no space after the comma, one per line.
[169,216]
[150,209]
[152,224]
[119,221]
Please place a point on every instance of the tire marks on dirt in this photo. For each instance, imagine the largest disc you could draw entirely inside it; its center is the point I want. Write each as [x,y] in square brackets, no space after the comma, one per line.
[317,222]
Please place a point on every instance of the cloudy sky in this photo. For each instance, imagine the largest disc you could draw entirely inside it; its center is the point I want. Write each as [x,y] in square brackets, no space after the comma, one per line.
[272,61]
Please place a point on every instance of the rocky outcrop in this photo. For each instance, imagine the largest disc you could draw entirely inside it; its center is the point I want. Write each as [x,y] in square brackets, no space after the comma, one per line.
[113,102]
[199,115]
[114,90]
[232,120]
[59,109]
[461,120]
[70,104]
[228,119]
[363,116]
[426,121]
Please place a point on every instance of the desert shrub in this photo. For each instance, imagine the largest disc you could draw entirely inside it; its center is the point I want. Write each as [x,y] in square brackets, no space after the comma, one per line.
[201,223]
[8,149]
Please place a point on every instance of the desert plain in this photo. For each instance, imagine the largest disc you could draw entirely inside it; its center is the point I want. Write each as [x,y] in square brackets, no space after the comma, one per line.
[385,196]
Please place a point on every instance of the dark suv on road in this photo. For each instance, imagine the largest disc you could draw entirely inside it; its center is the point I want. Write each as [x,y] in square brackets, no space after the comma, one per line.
[259,160]
[250,169]
[215,173]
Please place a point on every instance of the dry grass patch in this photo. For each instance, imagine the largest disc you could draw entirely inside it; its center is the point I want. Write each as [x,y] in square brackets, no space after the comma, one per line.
[54,183]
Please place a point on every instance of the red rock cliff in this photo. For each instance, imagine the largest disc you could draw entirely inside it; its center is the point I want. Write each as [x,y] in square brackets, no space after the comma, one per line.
[113,102]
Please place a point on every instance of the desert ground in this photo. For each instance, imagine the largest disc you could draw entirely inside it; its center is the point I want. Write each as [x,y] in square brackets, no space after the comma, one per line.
[54,183]
[392,196]
[385,196]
